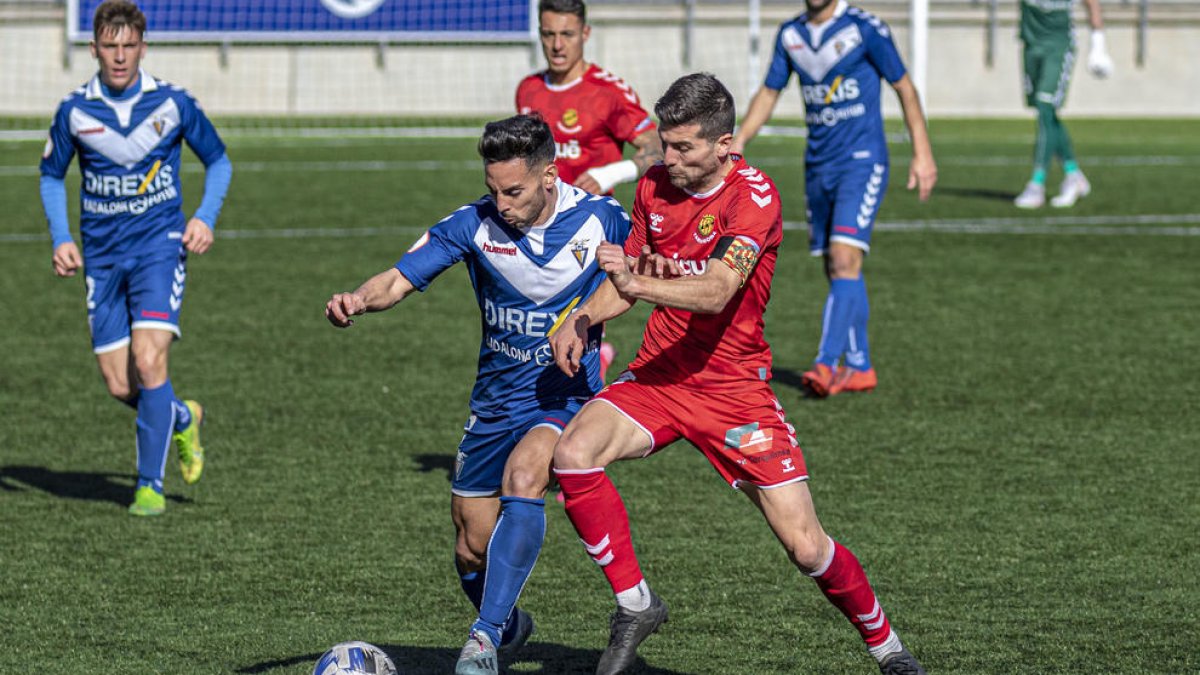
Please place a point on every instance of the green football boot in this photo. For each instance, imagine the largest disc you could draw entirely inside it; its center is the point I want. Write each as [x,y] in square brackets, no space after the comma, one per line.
[147,502]
[187,445]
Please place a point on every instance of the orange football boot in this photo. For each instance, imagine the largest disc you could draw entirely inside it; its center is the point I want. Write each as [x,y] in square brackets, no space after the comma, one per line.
[849,379]
[819,381]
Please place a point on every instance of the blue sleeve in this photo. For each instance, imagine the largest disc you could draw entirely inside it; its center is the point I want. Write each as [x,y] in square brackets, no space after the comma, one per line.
[781,66]
[199,132]
[881,51]
[59,151]
[616,225]
[54,203]
[440,247]
[216,183]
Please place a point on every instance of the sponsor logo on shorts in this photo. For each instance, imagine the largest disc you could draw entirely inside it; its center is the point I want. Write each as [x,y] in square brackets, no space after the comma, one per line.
[748,439]
[162,316]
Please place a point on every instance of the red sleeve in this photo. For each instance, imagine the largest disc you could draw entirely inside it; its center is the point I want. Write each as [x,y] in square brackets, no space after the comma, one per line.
[627,119]
[637,231]
[753,223]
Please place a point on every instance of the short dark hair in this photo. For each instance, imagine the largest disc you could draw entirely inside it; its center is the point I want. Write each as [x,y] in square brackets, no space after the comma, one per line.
[113,15]
[699,98]
[575,7]
[524,137]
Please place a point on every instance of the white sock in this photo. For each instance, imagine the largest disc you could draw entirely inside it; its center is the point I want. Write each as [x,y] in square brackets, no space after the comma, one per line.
[636,599]
[889,646]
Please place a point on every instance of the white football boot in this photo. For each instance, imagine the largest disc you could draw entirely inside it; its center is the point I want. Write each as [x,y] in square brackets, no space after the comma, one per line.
[1074,186]
[1032,197]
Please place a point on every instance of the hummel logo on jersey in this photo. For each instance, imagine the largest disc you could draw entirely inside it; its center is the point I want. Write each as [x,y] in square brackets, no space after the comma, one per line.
[489,247]
[655,222]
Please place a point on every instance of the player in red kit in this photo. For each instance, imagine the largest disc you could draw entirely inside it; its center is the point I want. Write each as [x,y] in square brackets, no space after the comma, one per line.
[591,112]
[706,232]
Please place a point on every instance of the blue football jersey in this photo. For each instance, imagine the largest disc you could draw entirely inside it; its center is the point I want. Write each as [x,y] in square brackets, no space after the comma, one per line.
[129,150]
[524,281]
[839,64]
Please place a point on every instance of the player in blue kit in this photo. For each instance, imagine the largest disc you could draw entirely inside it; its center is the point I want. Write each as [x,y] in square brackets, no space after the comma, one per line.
[839,53]
[530,248]
[127,128]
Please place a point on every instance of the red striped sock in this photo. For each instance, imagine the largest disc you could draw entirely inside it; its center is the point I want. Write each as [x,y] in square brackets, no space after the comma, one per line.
[845,584]
[598,514]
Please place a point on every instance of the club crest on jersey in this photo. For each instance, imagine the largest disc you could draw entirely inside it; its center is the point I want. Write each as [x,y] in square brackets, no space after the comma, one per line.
[579,249]
[160,125]
[656,222]
[704,230]
[569,123]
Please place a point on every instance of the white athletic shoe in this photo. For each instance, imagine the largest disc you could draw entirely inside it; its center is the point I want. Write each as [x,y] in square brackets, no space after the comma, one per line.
[1032,197]
[1074,186]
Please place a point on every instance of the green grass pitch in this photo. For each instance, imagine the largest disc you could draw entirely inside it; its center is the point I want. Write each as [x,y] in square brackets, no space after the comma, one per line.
[1022,488]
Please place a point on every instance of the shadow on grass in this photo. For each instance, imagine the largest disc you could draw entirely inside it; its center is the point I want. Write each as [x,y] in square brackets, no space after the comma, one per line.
[977,193]
[790,378]
[432,462]
[535,657]
[98,487]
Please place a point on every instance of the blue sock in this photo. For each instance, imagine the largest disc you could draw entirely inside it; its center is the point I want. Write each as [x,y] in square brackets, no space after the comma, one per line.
[183,415]
[155,420]
[835,325]
[858,354]
[512,553]
[472,585]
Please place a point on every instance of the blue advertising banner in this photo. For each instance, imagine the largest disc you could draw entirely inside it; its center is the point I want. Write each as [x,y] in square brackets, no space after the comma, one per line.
[334,20]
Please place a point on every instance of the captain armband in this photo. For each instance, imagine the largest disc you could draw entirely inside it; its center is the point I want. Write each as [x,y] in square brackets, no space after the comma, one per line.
[739,254]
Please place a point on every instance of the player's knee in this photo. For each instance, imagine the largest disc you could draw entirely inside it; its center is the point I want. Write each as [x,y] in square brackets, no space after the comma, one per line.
[844,264]
[808,549]
[527,483]
[151,365]
[575,450]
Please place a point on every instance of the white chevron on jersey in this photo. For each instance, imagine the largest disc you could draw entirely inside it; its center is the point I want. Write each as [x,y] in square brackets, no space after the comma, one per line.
[539,282]
[818,62]
[121,149]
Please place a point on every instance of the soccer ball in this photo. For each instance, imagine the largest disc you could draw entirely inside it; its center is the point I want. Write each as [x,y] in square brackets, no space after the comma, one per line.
[354,658]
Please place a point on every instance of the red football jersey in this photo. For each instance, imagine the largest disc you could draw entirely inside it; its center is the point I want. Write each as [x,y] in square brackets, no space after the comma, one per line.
[592,118]
[742,215]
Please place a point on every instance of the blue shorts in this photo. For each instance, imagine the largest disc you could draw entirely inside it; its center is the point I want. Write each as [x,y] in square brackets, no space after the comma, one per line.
[487,443]
[842,203]
[132,294]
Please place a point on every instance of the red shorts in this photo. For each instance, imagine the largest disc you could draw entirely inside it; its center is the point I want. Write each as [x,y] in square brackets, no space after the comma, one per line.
[742,431]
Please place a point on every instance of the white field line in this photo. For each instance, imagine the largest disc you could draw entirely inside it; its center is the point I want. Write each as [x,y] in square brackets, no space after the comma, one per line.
[31,169]
[1166,225]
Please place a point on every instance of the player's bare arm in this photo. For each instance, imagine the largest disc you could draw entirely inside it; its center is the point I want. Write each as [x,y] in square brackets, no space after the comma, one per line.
[570,340]
[601,179]
[197,236]
[654,264]
[706,293]
[67,259]
[649,150]
[760,110]
[922,173]
[380,292]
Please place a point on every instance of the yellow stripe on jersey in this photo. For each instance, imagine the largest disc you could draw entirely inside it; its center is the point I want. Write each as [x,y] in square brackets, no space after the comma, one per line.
[837,82]
[563,317]
[150,176]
